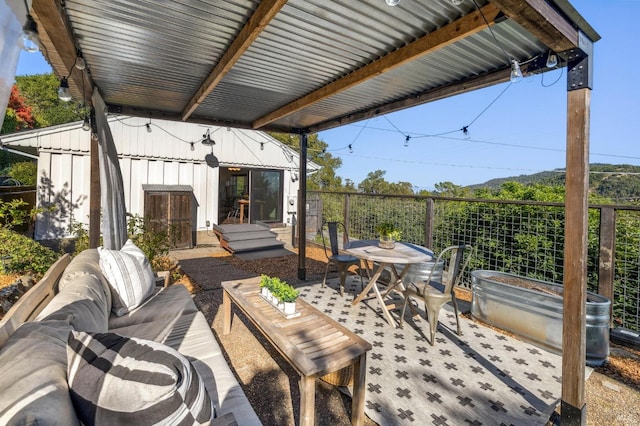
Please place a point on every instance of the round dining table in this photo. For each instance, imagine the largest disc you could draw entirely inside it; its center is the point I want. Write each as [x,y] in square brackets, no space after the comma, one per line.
[402,253]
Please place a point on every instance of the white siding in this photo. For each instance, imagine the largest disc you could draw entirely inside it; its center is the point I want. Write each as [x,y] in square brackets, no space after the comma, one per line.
[162,156]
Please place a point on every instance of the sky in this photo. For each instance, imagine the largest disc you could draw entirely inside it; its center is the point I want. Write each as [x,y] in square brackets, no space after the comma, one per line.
[515,129]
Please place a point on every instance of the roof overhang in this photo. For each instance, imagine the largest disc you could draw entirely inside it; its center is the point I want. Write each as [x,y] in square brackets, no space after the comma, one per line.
[297,65]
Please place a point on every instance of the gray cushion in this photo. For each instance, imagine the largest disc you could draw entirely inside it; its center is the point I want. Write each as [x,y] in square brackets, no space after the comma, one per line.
[121,380]
[82,301]
[166,304]
[86,262]
[33,376]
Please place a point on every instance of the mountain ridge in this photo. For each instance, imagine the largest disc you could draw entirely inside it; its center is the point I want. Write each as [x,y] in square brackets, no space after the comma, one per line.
[619,182]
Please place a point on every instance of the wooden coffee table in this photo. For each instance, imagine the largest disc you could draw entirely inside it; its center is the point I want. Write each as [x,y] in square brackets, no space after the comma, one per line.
[312,343]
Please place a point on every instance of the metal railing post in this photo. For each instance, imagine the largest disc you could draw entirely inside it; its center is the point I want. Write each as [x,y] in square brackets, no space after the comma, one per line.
[606,259]
[345,214]
[429,220]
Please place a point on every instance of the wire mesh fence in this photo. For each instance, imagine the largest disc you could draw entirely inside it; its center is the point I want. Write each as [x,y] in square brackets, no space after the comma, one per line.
[519,237]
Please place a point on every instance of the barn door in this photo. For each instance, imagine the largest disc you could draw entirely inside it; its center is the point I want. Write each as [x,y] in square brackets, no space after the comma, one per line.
[170,209]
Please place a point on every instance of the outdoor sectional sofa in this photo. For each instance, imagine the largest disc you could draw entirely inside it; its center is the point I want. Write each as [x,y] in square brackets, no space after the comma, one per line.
[44,381]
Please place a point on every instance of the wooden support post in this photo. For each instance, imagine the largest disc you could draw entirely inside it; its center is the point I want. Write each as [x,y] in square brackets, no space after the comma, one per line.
[606,266]
[573,409]
[94,194]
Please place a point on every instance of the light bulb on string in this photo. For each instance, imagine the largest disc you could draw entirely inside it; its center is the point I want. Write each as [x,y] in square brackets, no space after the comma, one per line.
[465,132]
[29,39]
[516,72]
[80,62]
[406,141]
[392,2]
[193,148]
[552,59]
[148,125]
[64,94]
[261,146]
[350,149]
[86,124]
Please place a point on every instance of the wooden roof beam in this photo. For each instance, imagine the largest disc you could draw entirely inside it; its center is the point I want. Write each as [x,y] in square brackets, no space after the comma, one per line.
[474,83]
[258,21]
[56,35]
[449,34]
[543,21]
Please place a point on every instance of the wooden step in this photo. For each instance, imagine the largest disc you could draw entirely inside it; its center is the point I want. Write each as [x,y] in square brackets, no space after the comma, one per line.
[248,245]
[256,235]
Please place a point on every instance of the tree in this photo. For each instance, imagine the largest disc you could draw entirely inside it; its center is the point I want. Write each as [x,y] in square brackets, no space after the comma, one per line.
[18,115]
[41,94]
[25,171]
[374,183]
[449,189]
[324,179]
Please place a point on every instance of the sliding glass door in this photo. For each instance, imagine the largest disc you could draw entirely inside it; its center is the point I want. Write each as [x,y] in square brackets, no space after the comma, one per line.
[265,194]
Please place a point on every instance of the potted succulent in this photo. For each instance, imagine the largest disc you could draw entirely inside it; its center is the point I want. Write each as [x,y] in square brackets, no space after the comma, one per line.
[389,234]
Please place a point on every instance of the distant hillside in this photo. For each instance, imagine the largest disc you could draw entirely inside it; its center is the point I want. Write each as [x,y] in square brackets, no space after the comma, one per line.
[620,182]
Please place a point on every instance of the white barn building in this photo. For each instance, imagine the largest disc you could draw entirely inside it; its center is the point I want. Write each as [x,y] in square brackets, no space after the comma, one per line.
[169,173]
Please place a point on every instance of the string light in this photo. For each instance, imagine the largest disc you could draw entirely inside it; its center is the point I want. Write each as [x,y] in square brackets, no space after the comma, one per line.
[261,146]
[148,125]
[64,94]
[193,148]
[350,149]
[516,72]
[406,141]
[80,62]
[552,59]
[29,40]
[86,124]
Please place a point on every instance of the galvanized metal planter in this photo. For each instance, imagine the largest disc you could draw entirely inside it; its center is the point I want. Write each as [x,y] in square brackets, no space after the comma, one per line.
[535,313]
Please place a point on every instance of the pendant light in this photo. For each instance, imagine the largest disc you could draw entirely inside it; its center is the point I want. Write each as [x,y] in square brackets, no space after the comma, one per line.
[552,59]
[86,124]
[64,94]
[29,39]
[516,72]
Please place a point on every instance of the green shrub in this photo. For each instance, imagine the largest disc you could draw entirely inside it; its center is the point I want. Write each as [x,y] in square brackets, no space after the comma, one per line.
[25,171]
[154,240]
[21,255]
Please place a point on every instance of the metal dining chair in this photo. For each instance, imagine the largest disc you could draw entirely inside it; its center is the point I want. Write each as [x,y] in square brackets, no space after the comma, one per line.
[435,293]
[342,261]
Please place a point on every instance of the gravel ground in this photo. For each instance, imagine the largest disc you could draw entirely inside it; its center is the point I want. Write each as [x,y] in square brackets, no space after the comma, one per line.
[612,391]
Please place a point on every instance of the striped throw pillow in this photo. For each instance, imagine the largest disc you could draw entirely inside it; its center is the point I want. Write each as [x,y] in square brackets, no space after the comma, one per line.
[125,380]
[130,276]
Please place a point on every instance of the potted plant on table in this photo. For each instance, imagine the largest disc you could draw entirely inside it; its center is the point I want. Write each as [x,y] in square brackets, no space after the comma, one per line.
[389,234]
[280,294]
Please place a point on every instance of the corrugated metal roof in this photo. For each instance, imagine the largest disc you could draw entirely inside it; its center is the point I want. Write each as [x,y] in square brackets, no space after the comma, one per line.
[189,60]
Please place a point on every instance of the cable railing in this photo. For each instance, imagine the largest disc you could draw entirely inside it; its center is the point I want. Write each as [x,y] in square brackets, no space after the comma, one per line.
[520,237]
